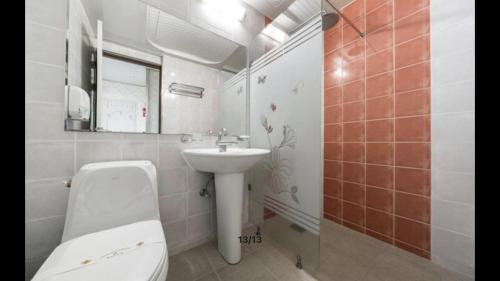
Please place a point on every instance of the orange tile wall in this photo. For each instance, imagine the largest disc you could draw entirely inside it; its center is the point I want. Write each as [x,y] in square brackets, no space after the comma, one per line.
[377,122]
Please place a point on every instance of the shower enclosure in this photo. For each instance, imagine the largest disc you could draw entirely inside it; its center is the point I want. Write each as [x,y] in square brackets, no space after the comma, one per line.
[286,98]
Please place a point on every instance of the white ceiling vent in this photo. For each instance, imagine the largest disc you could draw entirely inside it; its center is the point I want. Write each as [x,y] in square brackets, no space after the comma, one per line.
[176,37]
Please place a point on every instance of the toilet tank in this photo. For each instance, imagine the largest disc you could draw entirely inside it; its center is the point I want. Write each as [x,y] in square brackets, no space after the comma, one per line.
[111,194]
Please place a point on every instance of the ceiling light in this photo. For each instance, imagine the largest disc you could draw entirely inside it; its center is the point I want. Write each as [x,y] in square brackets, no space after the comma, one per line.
[226,8]
[275,33]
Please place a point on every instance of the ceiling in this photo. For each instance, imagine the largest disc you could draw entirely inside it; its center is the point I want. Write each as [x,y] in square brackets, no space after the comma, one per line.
[134,24]
[273,8]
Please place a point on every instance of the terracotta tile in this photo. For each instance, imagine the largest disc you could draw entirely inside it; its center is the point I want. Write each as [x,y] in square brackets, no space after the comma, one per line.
[380,39]
[414,233]
[333,61]
[380,85]
[354,10]
[353,213]
[332,218]
[333,96]
[412,77]
[412,26]
[354,131]
[332,40]
[333,114]
[354,91]
[413,128]
[379,153]
[333,133]
[380,176]
[379,108]
[353,71]
[413,207]
[415,155]
[353,51]
[406,7]
[379,17]
[353,111]
[380,199]
[333,151]
[353,172]
[412,249]
[379,62]
[379,236]
[353,226]
[372,4]
[332,79]
[415,181]
[353,152]
[380,130]
[412,52]
[331,206]
[379,222]
[354,193]
[331,187]
[412,103]
[349,34]
[331,169]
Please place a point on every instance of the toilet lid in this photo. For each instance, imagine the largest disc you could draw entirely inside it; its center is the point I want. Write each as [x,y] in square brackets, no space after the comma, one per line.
[135,251]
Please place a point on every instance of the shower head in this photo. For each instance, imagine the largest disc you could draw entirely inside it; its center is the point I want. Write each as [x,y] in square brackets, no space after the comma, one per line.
[329,20]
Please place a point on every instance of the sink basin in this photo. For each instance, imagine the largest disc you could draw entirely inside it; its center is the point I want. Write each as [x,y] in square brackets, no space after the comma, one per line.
[229,167]
[234,160]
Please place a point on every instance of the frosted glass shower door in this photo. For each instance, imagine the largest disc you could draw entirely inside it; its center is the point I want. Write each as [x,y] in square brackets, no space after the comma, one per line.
[285,116]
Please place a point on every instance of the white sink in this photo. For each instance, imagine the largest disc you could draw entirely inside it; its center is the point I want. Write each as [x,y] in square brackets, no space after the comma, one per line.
[229,167]
[234,160]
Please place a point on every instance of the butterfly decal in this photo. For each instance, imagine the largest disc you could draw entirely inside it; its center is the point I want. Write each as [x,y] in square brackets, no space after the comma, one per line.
[262,79]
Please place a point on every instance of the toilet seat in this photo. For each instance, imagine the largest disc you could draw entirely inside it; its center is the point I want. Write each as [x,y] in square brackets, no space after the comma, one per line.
[136,251]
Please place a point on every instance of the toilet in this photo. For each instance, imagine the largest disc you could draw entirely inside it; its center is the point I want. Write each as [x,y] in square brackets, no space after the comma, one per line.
[112,229]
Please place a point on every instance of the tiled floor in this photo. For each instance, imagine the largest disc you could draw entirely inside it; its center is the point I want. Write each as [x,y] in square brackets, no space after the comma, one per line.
[346,255]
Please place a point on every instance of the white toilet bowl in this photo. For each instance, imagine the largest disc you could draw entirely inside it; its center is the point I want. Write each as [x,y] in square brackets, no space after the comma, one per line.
[112,229]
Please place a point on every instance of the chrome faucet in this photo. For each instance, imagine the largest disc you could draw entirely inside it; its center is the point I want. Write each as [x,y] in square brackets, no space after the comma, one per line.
[223,144]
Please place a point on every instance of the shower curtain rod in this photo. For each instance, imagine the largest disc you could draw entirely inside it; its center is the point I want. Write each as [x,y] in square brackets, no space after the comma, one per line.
[346,19]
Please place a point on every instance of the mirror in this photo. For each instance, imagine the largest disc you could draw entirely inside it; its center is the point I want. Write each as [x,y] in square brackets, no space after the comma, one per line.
[139,66]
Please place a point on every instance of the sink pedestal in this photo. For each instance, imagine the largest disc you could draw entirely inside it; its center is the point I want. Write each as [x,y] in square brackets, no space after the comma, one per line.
[229,199]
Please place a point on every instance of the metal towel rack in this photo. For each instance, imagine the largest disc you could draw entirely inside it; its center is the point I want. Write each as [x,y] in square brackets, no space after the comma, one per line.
[186,90]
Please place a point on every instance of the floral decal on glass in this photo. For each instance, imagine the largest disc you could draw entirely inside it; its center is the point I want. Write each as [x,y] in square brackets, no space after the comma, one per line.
[278,168]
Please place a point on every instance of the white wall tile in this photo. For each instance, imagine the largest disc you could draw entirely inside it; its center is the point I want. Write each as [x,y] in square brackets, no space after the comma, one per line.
[42,236]
[44,82]
[31,266]
[453,157]
[172,208]
[48,12]
[453,251]
[45,122]
[199,227]
[48,160]
[89,152]
[197,204]
[140,151]
[453,68]
[45,199]
[460,36]
[98,136]
[197,180]
[446,13]
[176,233]
[170,155]
[451,186]
[453,216]
[172,180]
[45,44]
[455,97]
[453,127]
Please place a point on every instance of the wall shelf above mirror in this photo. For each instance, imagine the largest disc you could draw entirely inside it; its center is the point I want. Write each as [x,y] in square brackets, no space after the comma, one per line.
[139,67]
